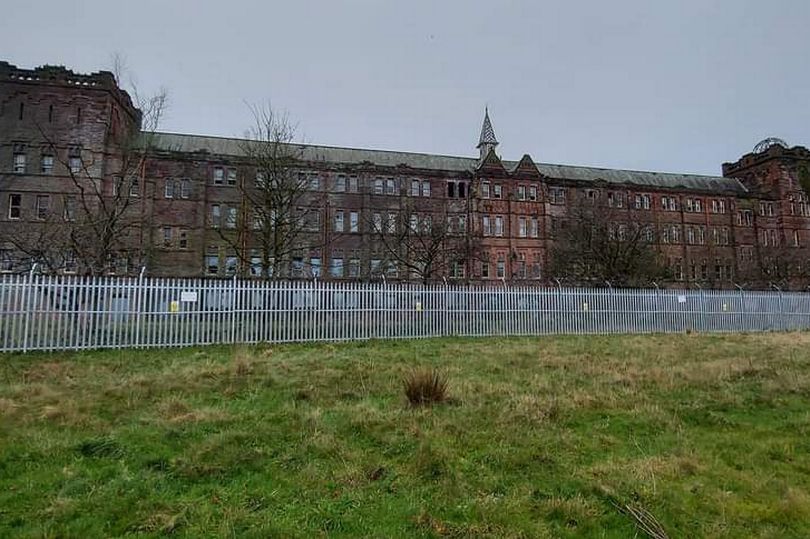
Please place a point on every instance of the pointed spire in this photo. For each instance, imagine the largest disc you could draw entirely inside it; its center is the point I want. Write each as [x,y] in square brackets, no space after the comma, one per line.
[487,140]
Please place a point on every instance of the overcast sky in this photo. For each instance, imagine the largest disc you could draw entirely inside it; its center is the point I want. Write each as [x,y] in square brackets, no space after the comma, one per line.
[674,86]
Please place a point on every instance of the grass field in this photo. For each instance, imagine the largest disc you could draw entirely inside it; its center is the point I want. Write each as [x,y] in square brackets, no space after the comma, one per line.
[542,437]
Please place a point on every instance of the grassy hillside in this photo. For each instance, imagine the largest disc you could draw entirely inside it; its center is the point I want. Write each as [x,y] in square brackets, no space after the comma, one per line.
[551,437]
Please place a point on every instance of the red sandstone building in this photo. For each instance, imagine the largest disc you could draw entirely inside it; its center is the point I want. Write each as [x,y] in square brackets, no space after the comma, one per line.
[185,209]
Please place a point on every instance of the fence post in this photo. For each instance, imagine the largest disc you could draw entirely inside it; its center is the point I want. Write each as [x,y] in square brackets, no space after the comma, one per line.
[29,290]
[139,307]
[233,309]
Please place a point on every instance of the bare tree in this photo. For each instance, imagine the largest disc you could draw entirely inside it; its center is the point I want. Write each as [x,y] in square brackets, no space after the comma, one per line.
[97,219]
[278,214]
[427,243]
[784,265]
[599,245]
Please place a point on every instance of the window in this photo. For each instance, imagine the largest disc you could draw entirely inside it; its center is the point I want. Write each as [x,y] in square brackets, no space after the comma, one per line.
[414,223]
[532,192]
[255,263]
[557,195]
[315,265]
[485,190]
[377,222]
[451,189]
[340,183]
[521,192]
[231,177]
[75,164]
[70,208]
[46,164]
[379,186]
[521,270]
[43,206]
[353,184]
[718,206]
[230,217]
[219,176]
[336,265]
[134,188]
[745,218]
[231,264]
[338,220]
[500,269]
[498,225]
[212,264]
[522,227]
[182,240]
[354,266]
[390,186]
[497,191]
[215,215]
[615,200]
[6,261]
[168,190]
[425,188]
[533,227]
[314,182]
[457,270]
[415,186]
[677,269]
[485,269]
[391,269]
[392,223]
[485,225]
[462,188]
[70,264]
[19,163]
[462,223]
[14,206]
[167,236]
[354,221]
[642,202]
[374,266]
[669,203]
[795,238]
[259,182]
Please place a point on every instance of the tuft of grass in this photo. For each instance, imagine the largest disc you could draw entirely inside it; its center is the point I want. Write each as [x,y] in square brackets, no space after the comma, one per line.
[425,386]
[101,448]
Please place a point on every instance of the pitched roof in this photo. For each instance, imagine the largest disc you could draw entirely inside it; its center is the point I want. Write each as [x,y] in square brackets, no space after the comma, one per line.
[487,133]
[332,154]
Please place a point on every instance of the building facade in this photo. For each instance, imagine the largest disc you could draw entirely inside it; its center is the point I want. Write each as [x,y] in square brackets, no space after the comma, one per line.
[179,208]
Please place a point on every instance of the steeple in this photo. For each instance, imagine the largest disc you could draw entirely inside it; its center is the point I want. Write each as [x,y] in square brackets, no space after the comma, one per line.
[487,141]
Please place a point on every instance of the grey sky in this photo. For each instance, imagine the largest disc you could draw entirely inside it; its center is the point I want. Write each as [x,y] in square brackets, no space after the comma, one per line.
[676,86]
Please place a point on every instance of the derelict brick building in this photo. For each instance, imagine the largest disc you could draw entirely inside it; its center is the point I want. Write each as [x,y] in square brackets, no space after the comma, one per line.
[184,200]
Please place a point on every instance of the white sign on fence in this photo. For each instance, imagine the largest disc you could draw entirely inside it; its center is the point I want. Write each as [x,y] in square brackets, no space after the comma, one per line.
[188,297]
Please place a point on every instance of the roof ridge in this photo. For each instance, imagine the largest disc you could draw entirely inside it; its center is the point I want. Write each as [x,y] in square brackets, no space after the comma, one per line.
[329,146]
[471,159]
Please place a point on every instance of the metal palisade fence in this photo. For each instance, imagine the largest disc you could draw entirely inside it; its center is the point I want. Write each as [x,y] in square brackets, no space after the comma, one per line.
[67,313]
